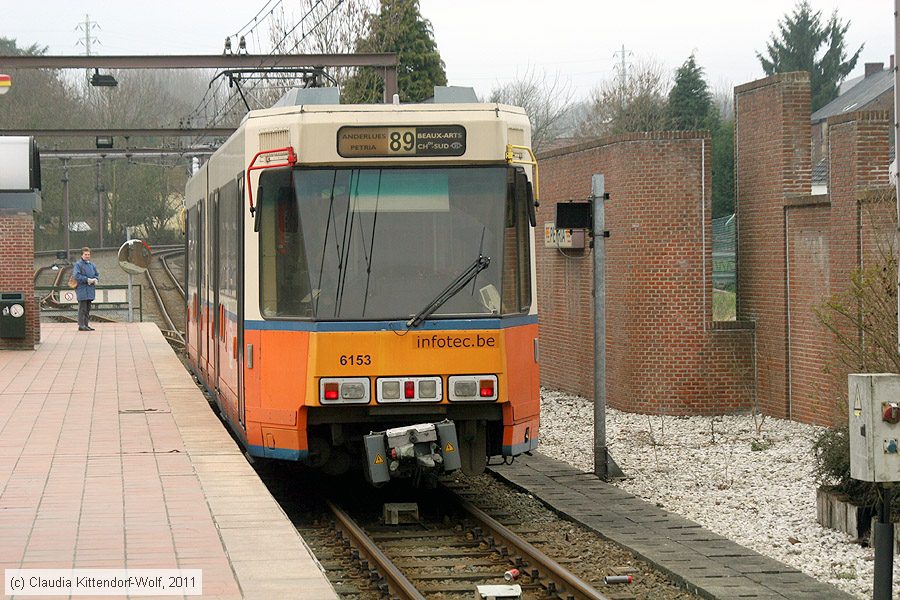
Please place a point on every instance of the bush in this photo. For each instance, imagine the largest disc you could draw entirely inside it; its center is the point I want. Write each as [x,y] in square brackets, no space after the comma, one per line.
[832,467]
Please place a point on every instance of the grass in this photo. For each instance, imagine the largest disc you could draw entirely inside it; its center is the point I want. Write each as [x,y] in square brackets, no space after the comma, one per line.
[723,305]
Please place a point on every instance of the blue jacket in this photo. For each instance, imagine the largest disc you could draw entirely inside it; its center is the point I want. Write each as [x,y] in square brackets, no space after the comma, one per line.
[82,271]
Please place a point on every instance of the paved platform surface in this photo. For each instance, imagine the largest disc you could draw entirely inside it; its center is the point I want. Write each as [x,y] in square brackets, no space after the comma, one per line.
[110,457]
[702,561]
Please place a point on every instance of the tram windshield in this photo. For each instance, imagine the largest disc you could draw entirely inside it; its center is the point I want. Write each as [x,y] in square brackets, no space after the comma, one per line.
[380,244]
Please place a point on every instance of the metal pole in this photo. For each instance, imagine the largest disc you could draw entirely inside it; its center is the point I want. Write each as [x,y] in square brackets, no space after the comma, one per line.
[601,459]
[130,283]
[65,182]
[130,299]
[896,131]
[884,548]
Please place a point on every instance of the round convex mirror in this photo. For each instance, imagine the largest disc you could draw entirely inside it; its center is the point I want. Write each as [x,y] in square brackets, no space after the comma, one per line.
[134,257]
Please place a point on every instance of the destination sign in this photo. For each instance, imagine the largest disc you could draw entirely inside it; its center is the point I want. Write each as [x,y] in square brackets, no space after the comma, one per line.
[429,140]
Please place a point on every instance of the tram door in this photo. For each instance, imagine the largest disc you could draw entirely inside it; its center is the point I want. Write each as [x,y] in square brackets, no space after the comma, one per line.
[240,300]
[215,306]
[202,312]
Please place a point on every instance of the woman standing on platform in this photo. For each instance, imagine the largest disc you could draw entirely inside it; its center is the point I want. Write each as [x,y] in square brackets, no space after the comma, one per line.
[86,274]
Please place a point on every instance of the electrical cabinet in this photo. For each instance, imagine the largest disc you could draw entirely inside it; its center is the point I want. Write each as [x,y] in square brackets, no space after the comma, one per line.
[874,408]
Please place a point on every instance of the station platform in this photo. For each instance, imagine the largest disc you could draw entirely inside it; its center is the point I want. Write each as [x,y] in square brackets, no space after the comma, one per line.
[110,457]
[703,562]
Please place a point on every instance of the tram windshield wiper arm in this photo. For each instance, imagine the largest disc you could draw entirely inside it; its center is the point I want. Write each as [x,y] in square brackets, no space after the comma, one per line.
[478,265]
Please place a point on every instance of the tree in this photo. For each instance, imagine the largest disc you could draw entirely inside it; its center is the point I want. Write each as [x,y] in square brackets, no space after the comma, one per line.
[723,168]
[325,27]
[147,196]
[797,45]
[638,104]
[546,101]
[690,102]
[399,27]
[691,106]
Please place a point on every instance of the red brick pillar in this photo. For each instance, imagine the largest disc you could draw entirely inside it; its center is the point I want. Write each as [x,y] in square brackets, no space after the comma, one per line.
[859,155]
[17,272]
[772,164]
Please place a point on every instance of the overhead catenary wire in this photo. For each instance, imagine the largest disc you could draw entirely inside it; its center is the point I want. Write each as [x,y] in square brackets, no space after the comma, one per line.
[255,20]
[234,99]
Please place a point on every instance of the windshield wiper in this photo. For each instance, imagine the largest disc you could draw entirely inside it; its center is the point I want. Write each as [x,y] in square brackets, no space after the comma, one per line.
[480,264]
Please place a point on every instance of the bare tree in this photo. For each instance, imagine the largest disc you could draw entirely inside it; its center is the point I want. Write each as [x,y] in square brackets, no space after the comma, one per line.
[637,104]
[546,100]
[723,99]
[143,97]
[319,27]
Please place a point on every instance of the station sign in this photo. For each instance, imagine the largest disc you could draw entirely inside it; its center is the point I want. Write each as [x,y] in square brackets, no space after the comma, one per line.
[427,140]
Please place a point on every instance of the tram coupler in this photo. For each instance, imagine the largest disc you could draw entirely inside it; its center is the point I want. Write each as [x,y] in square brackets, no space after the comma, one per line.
[411,449]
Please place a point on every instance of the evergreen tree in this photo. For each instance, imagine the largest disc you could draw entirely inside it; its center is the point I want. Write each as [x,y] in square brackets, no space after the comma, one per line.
[690,102]
[399,27]
[691,106]
[723,169]
[797,45]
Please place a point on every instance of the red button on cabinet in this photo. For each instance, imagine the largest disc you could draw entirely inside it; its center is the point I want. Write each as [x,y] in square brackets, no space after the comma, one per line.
[891,413]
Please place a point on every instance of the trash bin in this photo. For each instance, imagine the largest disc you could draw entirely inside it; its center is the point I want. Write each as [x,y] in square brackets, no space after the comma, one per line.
[12,315]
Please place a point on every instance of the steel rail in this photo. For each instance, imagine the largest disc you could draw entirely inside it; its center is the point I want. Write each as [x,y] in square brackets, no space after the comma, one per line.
[162,258]
[163,310]
[546,566]
[49,299]
[398,584]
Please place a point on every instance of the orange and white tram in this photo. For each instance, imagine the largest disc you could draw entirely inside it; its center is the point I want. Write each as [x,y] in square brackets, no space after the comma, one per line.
[361,285]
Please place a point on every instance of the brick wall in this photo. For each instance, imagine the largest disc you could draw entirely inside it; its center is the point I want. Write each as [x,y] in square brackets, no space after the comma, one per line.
[664,354]
[772,164]
[795,250]
[808,227]
[17,272]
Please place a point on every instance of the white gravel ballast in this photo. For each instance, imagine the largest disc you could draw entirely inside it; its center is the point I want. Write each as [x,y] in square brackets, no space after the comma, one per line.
[747,478]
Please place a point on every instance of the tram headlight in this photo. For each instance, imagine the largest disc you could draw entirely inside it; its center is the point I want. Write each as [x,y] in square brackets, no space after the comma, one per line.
[390,390]
[427,388]
[353,391]
[464,389]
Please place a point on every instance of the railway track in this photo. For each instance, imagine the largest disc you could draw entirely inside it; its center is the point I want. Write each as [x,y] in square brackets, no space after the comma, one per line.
[455,556]
[168,296]
[456,542]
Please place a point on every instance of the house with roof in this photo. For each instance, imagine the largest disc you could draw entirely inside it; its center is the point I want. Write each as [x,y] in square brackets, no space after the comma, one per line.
[872,91]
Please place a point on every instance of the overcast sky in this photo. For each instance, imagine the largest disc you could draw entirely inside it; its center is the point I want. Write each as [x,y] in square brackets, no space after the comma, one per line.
[484,42]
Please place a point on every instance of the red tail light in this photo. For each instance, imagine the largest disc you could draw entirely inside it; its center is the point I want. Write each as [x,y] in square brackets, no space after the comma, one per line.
[487,388]
[331,391]
[409,389]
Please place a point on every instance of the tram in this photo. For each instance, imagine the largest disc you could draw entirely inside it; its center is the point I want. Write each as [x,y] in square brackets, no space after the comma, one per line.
[361,286]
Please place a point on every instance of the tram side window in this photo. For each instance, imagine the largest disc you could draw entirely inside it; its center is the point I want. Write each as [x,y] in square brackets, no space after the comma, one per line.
[229,200]
[284,274]
[516,254]
[523,255]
